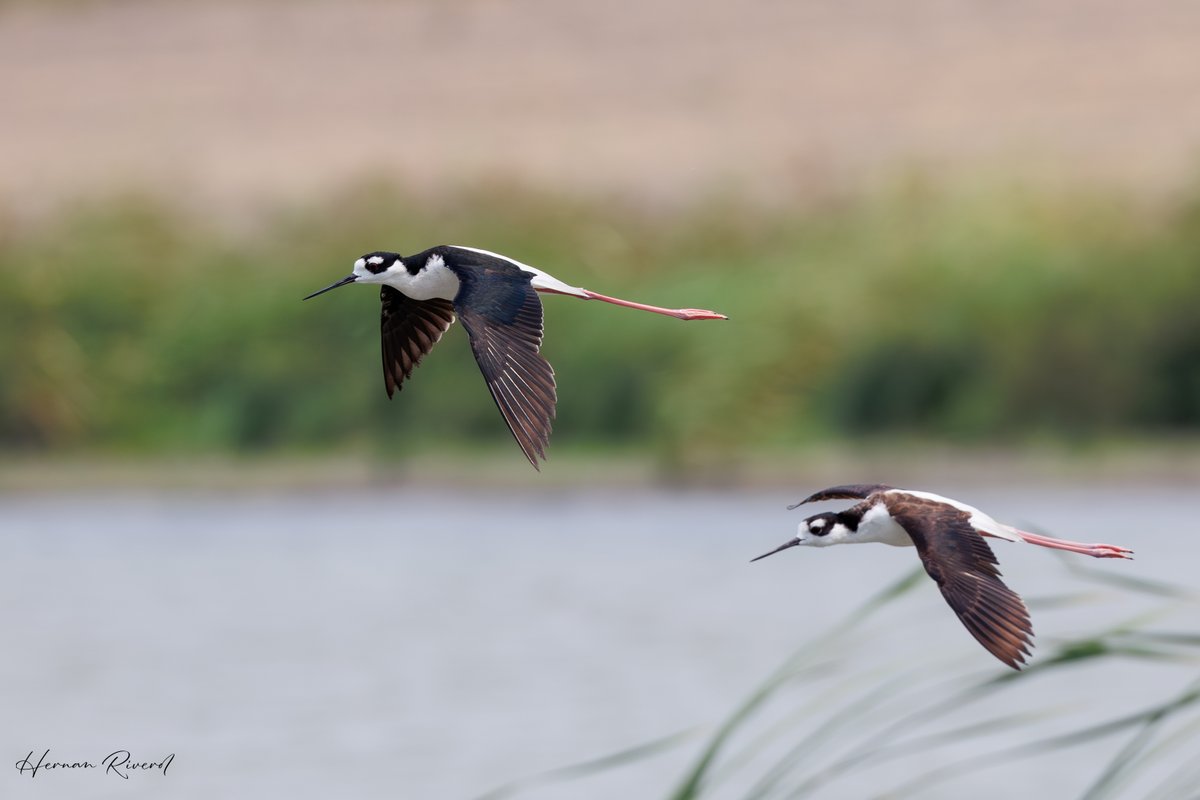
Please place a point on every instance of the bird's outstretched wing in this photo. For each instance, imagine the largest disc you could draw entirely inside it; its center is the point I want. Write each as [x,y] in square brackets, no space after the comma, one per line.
[857,491]
[410,329]
[959,559]
[503,317]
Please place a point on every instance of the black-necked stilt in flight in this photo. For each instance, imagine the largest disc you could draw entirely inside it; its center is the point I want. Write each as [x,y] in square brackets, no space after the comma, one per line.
[496,299]
[949,537]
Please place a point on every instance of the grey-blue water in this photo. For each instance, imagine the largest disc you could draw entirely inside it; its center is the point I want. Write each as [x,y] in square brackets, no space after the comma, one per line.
[436,644]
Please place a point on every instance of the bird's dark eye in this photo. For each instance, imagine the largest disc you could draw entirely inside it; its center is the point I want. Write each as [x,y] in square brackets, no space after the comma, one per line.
[376,264]
[818,529]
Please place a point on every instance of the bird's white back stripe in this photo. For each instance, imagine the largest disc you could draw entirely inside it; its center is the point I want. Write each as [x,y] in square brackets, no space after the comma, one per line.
[978,519]
[541,280]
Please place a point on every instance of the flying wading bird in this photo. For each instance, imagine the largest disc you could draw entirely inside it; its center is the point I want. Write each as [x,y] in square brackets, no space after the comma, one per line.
[496,299]
[949,537]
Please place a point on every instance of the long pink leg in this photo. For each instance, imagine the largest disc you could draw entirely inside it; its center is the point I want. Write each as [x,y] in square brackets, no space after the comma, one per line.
[1094,550]
[678,313]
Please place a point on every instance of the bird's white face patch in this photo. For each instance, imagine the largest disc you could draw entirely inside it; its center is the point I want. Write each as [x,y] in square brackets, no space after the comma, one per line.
[819,533]
[367,269]
[364,273]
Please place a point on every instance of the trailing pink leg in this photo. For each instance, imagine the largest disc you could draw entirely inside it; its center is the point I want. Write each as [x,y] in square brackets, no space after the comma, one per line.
[1093,550]
[678,313]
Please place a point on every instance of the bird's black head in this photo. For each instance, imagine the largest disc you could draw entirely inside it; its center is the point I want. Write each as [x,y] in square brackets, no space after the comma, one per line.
[819,525]
[828,528]
[377,262]
[820,530]
[371,268]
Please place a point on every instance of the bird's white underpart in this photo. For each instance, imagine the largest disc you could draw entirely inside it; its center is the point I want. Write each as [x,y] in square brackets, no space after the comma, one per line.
[435,280]
[877,525]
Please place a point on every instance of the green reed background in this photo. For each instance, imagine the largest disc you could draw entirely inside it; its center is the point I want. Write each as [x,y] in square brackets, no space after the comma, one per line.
[837,708]
[979,315]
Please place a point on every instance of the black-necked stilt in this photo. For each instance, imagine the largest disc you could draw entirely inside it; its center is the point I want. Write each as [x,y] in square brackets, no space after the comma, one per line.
[949,539]
[496,298]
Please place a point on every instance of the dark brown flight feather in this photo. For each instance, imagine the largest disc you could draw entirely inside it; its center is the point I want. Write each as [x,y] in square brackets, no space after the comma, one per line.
[965,569]
[503,317]
[410,329]
[856,491]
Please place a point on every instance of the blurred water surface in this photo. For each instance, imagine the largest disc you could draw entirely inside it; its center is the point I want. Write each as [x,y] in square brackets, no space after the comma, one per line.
[417,643]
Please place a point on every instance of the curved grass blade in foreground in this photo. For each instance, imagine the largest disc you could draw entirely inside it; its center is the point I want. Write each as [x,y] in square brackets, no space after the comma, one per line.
[896,716]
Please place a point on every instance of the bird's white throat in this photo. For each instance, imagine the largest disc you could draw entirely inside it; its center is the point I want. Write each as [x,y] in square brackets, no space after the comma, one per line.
[434,280]
[877,525]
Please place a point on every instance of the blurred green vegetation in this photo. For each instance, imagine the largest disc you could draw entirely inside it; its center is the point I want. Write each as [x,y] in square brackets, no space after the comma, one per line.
[133,327]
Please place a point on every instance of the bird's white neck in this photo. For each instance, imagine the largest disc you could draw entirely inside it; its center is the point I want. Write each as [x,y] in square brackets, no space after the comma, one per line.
[435,279]
[877,525]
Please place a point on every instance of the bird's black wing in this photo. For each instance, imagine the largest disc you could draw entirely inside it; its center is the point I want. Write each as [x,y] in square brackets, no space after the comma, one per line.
[410,329]
[857,491]
[503,317]
[959,559]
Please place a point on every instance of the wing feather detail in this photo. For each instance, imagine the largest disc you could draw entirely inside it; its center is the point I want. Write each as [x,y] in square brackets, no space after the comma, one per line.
[409,328]
[503,318]
[958,558]
[857,491]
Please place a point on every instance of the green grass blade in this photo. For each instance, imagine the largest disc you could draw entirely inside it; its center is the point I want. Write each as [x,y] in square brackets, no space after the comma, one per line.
[1061,741]
[1118,767]
[1130,583]
[690,786]
[822,734]
[584,768]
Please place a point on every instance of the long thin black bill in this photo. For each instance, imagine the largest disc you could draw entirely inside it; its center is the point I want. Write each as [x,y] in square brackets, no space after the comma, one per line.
[792,543]
[342,282]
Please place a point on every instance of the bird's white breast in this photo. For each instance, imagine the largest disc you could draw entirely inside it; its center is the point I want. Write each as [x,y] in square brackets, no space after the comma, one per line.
[435,280]
[877,525]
